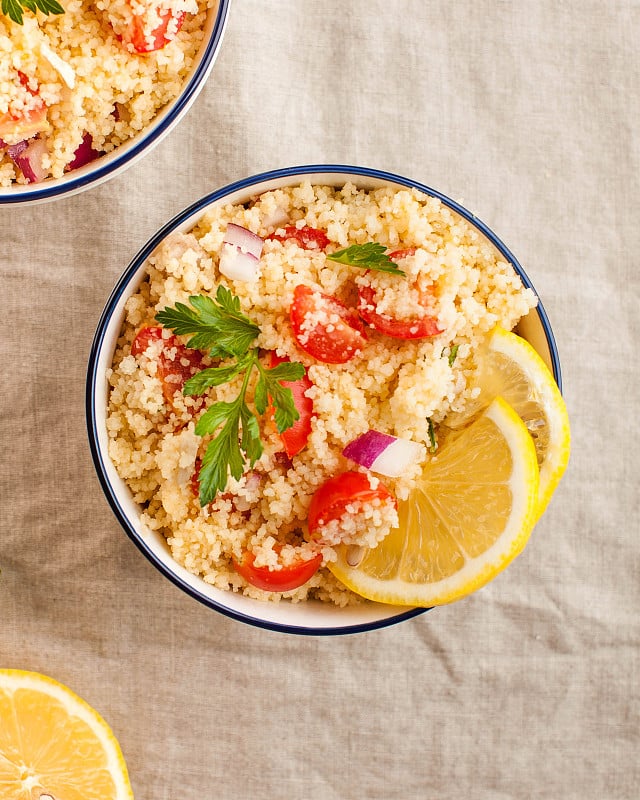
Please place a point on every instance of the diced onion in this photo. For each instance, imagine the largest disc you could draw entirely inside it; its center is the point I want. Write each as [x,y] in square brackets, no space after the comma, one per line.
[240,254]
[383,453]
[237,265]
[244,240]
[63,69]
[84,153]
[27,156]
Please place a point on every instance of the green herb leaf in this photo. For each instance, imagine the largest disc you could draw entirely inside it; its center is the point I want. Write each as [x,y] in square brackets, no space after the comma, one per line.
[223,454]
[367,256]
[218,325]
[453,352]
[270,387]
[14,9]
[433,444]
[213,376]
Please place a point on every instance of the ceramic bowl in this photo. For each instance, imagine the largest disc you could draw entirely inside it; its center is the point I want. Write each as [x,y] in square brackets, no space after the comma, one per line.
[111,164]
[301,618]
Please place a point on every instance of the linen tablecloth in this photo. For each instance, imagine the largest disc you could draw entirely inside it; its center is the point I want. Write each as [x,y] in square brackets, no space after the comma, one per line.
[526,112]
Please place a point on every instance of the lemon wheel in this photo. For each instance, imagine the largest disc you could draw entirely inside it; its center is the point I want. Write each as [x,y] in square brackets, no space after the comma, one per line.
[471,513]
[53,745]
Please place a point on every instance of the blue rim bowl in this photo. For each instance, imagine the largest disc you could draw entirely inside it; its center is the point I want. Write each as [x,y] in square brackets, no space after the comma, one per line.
[111,164]
[313,618]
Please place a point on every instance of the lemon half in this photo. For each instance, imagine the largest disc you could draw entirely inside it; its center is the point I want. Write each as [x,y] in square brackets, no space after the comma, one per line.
[471,513]
[54,745]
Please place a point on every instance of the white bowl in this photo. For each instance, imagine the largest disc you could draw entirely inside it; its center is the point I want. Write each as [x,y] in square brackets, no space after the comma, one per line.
[110,164]
[303,618]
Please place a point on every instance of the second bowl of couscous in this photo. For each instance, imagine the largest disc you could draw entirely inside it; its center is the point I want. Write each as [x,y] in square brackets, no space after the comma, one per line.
[90,88]
[367,295]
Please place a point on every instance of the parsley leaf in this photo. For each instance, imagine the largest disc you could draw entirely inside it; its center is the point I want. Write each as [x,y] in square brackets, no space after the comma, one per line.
[270,386]
[219,327]
[453,352]
[14,9]
[367,256]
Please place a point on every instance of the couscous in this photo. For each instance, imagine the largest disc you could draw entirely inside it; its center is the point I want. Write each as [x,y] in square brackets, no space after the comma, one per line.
[76,85]
[369,306]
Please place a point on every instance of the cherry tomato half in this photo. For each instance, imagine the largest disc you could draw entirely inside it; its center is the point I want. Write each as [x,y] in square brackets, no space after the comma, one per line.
[410,328]
[276,580]
[324,327]
[308,238]
[136,30]
[295,438]
[173,372]
[330,500]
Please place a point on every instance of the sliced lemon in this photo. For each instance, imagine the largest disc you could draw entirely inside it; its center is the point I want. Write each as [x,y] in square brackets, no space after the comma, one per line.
[511,368]
[53,745]
[470,515]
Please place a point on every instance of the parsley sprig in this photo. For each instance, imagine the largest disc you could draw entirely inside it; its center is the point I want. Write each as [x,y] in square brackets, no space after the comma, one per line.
[220,328]
[367,256]
[14,9]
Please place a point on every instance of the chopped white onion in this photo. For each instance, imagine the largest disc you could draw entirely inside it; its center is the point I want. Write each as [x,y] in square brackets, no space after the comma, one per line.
[243,239]
[277,218]
[65,70]
[237,265]
[27,156]
[383,453]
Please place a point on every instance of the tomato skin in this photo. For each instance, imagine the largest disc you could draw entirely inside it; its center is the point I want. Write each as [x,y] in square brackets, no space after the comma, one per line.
[333,343]
[331,499]
[308,238]
[295,438]
[134,32]
[412,328]
[172,372]
[281,580]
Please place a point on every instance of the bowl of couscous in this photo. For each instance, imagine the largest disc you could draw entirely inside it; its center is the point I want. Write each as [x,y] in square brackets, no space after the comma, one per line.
[89,88]
[285,380]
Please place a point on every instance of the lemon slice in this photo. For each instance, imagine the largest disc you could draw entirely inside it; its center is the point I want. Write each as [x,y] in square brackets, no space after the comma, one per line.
[470,515]
[511,368]
[53,745]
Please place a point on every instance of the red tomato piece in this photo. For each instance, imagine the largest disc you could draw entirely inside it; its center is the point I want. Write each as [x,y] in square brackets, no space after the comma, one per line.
[330,501]
[176,363]
[404,253]
[308,238]
[295,438]
[324,327]
[136,31]
[277,580]
[29,122]
[410,328]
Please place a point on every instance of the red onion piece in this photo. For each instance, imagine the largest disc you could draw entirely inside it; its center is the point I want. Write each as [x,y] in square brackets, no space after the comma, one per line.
[84,153]
[383,453]
[237,264]
[244,240]
[27,156]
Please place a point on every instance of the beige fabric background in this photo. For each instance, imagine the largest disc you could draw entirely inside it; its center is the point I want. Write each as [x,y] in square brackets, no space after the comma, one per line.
[527,112]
